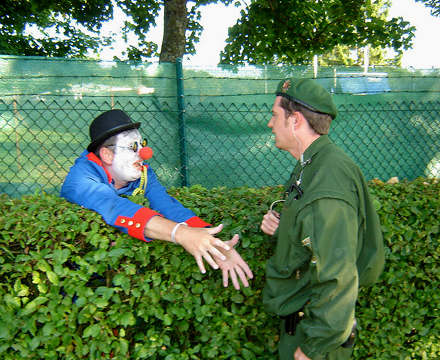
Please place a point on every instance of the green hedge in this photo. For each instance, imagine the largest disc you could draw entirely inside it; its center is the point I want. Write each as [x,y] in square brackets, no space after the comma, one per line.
[72,287]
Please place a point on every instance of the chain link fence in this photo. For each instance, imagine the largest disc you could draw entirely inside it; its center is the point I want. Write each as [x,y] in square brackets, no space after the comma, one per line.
[207,126]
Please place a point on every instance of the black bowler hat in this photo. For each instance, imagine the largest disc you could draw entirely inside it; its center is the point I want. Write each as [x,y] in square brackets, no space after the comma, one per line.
[107,124]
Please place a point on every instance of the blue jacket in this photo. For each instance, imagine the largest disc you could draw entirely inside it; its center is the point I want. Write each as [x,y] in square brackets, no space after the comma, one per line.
[89,185]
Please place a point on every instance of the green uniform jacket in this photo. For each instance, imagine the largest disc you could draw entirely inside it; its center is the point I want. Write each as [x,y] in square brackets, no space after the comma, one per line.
[329,244]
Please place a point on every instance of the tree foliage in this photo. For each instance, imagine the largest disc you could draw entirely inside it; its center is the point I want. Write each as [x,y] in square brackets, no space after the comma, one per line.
[66,28]
[433,4]
[343,55]
[286,31]
[70,28]
[269,31]
[347,55]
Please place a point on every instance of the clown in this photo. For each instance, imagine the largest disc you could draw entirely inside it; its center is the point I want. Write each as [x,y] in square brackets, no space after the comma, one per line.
[112,166]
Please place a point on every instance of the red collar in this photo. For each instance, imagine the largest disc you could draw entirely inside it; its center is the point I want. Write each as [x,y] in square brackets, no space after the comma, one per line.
[92,157]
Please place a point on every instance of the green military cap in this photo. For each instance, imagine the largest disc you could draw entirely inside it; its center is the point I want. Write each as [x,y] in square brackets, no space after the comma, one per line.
[309,94]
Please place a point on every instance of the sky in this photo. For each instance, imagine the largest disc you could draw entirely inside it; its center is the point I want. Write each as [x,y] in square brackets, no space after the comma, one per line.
[217,18]
[425,53]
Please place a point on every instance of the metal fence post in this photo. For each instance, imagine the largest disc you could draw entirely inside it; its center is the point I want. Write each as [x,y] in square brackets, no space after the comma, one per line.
[182,124]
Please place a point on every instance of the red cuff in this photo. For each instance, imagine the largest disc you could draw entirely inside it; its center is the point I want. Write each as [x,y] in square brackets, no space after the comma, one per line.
[135,225]
[197,222]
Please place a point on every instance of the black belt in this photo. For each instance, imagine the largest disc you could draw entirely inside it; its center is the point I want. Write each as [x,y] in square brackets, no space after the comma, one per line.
[352,336]
[292,321]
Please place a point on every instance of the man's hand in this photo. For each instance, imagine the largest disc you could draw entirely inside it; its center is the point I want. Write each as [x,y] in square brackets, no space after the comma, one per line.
[299,355]
[234,265]
[201,243]
[270,222]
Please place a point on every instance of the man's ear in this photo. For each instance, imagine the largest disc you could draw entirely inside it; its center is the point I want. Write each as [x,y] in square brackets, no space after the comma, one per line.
[298,119]
[106,156]
[295,119]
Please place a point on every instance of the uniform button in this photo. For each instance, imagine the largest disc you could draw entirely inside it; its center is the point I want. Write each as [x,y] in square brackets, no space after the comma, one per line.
[138,225]
[130,223]
[300,314]
[123,221]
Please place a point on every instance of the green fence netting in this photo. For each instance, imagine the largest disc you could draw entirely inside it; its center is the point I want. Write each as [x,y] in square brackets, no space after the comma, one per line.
[208,125]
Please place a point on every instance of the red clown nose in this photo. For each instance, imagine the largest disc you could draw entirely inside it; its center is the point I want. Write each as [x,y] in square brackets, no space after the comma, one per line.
[146,153]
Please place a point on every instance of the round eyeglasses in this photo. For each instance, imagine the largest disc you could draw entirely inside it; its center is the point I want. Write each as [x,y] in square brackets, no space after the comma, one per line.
[134,147]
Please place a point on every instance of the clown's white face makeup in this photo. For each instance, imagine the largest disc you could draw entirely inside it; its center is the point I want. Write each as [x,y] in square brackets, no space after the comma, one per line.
[127,164]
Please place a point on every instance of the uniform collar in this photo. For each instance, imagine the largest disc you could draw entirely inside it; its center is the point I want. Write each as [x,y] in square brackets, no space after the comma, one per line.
[315,147]
[308,155]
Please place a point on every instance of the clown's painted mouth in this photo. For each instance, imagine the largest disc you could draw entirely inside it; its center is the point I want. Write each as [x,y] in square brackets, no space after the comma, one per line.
[138,165]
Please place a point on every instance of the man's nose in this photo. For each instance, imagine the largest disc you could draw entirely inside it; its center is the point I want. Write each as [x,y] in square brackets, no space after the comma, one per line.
[270,123]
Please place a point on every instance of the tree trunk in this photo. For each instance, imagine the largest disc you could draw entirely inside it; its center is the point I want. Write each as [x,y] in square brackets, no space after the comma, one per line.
[175,25]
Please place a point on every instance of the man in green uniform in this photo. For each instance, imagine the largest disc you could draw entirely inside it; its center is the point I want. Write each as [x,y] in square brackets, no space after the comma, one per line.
[329,241]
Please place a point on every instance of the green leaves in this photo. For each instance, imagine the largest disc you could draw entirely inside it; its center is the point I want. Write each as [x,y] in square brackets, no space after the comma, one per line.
[90,291]
[59,19]
[292,32]
[402,315]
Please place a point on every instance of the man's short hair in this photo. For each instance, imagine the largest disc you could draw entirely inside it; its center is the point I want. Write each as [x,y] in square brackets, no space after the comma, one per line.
[319,122]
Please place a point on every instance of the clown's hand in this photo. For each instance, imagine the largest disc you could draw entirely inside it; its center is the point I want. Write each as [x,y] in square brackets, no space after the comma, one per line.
[203,245]
[234,266]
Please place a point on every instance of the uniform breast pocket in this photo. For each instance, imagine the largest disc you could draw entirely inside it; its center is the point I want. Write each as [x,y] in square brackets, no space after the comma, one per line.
[294,251]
